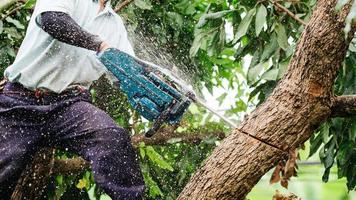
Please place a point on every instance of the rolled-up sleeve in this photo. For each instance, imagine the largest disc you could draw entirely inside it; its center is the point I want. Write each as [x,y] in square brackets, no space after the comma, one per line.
[65,6]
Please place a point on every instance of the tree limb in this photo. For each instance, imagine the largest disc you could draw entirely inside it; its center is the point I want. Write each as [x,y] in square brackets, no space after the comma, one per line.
[119,7]
[17,8]
[70,166]
[292,15]
[78,164]
[164,135]
[298,105]
[344,106]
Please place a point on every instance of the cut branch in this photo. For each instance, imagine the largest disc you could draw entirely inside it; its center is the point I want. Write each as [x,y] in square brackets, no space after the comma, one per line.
[45,165]
[292,15]
[70,166]
[344,106]
[164,135]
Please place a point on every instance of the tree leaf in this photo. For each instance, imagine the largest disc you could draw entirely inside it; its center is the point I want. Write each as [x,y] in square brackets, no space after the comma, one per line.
[270,75]
[276,177]
[281,36]
[29,4]
[15,22]
[221,98]
[205,17]
[270,48]
[144,5]
[157,158]
[1,26]
[253,72]
[175,19]
[154,189]
[260,18]
[315,143]
[244,25]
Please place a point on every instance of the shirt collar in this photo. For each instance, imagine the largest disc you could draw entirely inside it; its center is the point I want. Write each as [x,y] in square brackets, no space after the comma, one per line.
[107,10]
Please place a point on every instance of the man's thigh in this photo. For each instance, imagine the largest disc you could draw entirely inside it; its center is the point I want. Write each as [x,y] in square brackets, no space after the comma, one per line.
[90,132]
[78,121]
[20,137]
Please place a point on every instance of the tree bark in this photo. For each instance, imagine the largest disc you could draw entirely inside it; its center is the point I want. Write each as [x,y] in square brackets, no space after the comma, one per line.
[299,104]
[344,106]
[35,177]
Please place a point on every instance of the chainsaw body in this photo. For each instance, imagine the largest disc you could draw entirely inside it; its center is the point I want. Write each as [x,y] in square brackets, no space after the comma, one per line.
[150,93]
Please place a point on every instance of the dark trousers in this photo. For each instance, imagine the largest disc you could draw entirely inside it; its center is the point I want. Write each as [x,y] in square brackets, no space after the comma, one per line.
[70,122]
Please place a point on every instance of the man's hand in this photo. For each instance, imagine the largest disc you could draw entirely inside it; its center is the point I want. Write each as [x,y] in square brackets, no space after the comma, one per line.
[103,46]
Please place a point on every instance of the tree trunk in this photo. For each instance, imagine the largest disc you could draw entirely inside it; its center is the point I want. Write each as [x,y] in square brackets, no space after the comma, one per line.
[298,105]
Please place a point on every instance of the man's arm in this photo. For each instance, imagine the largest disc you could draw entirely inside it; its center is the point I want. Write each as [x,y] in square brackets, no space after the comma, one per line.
[63,28]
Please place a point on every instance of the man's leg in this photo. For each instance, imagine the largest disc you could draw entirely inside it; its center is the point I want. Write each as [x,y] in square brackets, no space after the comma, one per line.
[19,140]
[88,131]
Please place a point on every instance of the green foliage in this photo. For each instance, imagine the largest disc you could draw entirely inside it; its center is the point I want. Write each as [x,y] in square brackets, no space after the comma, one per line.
[337,137]
[246,44]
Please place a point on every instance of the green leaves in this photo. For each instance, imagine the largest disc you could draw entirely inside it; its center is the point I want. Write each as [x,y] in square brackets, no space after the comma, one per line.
[209,16]
[244,25]
[157,158]
[143,4]
[15,22]
[282,38]
[254,71]
[260,19]
[29,4]
[176,20]
[1,26]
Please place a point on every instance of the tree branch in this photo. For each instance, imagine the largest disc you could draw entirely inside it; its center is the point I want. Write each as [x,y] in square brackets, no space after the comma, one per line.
[344,106]
[17,8]
[292,15]
[119,7]
[164,135]
[70,166]
[78,164]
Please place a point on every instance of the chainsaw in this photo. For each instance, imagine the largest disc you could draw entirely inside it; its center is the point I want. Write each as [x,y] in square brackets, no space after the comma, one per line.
[152,91]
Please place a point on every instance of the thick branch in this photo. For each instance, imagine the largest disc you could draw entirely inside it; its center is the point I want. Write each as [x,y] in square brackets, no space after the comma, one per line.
[344,106]
[299,104]
[163,136]
[70,166]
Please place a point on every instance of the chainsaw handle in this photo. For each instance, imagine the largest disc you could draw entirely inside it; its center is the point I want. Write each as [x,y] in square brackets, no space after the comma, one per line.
[158,123]
[153,129]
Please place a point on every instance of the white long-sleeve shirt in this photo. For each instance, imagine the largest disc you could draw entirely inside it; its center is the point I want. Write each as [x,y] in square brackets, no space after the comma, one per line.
[46,63]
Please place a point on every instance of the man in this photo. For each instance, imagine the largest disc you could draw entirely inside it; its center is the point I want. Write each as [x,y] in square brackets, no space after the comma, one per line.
[45,102]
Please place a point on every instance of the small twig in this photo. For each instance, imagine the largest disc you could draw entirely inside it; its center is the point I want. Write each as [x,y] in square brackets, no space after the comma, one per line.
[284,9]
[119,7]
[12,11]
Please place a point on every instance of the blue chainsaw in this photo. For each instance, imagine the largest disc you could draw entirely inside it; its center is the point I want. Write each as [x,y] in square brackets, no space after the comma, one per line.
[152,91]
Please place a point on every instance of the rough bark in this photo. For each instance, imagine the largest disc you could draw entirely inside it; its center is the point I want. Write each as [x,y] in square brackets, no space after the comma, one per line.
[344,106]
[35,177]
[298,105]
